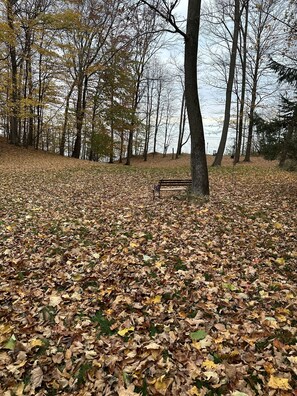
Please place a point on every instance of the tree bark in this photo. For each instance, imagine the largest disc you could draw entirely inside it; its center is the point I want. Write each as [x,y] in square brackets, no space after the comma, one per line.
[200,183]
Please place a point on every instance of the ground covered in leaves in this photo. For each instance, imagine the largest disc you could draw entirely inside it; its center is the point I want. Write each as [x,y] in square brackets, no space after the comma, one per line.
[106,292]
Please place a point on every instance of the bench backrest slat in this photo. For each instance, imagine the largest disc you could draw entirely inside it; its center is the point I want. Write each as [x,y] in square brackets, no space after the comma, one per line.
[174,182]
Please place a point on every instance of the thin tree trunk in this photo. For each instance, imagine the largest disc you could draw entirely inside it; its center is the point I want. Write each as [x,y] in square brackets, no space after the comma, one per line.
[243,88]
[65,124]
[247,157]
[158,117]
[14,121]
[80,113]
[222,145]
[148,119]
[182,121]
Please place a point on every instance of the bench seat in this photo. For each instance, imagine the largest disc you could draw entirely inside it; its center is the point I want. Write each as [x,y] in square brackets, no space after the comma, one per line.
[171,185]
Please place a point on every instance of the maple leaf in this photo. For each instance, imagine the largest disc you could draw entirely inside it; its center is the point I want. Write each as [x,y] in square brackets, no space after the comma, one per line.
[279,383]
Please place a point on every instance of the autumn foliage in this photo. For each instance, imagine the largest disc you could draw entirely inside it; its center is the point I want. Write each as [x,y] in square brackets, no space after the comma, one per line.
[106,292]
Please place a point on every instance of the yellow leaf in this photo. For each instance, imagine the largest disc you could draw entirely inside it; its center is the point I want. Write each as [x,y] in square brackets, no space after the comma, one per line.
[157,299]
[162,384]
[77,277]
[194,391]
[20,389]
[279,383]
[36,342]
[5,329]
[133,245]
[278,226]
[123,332]
[209,364]
[154,300]
[196,345]
[280,261]
[281,318]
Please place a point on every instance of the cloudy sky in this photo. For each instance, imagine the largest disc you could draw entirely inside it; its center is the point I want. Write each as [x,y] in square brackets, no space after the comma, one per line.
[211,99]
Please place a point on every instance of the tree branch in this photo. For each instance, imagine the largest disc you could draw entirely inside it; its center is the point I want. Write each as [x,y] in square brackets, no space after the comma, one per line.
[168,16]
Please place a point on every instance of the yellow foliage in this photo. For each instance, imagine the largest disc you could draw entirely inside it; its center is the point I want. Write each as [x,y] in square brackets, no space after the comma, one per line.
[123,332]
[162,384]
[279,383]
[194,391]
[209,364]
[154,300]
[36,342]
[280,261]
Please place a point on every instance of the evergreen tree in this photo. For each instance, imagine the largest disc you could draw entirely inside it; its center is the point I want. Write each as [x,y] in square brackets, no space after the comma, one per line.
[278,137]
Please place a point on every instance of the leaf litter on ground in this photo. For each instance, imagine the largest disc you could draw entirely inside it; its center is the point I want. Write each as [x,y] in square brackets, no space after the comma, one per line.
[105,291]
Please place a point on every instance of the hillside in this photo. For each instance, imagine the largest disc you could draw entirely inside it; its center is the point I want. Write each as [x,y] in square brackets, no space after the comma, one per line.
[105,291]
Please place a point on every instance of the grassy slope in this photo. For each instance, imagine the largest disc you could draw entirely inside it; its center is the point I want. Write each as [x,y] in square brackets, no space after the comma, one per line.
[105,291]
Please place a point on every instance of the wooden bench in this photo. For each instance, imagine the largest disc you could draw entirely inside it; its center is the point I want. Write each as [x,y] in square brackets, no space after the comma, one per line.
[171,185]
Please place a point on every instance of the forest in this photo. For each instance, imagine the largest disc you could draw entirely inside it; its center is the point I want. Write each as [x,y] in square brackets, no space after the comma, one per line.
[96,79]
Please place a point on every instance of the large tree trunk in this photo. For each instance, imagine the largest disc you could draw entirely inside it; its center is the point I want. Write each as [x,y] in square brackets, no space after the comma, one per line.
[200,183]
[222,145]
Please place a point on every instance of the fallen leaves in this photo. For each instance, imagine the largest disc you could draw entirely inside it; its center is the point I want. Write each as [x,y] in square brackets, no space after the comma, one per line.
[104,291]
[36,378]
[279,383]
[125,331]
